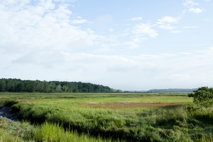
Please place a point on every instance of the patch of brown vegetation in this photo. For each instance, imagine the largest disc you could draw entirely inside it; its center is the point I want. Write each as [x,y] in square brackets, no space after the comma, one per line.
[129,105]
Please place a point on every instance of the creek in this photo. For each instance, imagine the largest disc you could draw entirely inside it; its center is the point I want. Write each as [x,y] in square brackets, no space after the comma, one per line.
[8,113]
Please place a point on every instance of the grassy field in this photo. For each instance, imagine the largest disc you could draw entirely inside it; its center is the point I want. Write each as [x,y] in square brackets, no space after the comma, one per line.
[108,101]
[124,116]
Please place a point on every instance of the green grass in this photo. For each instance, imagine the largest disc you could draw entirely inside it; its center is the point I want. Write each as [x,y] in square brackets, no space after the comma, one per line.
[6,95]
[54,133]
[24,132]
[5,137]
[132,123]
[14,132]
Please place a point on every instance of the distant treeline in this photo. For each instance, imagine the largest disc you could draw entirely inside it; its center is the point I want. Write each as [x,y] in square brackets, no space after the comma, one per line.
[17,85]
[171,90]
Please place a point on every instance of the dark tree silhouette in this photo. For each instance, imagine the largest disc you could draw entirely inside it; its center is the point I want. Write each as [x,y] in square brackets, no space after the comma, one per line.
[18,85]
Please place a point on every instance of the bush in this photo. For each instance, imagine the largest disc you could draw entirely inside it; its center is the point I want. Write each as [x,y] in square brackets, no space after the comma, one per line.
[203,96]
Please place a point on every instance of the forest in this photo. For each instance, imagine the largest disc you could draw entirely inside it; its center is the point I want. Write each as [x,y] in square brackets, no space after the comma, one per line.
[18,85]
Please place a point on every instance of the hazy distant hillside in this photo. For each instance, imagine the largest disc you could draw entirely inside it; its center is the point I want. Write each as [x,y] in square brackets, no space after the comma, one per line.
[171,90]
[17,85]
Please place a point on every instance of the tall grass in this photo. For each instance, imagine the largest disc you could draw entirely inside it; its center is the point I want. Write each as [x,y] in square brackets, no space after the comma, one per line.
[19,132]
[54,133]
[5,137]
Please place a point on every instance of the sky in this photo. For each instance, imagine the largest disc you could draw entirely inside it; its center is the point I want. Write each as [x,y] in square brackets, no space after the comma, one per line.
[124,44]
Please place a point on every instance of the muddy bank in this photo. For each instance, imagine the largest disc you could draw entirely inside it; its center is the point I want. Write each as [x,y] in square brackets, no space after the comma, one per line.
[8,113]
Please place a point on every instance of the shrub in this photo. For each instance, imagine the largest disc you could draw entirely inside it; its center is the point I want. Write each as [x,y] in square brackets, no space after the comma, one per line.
[203,96]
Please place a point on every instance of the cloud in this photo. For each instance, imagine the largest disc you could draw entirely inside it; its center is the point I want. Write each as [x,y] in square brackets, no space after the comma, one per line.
[141,71]
[167,21]
[190,3]
[195,10]
[34,25]
[192,6]
[144,30]
[136,19]
[170,22]
[79,20]
[134,36]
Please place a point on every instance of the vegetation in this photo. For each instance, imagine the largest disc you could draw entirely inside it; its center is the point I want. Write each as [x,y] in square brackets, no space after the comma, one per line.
[14,131]
[203,96]
[17,85]
[116,116]
[24,132]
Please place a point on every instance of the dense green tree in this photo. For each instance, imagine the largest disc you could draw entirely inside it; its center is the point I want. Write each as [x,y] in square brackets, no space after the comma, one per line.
[17,85]
[203,96]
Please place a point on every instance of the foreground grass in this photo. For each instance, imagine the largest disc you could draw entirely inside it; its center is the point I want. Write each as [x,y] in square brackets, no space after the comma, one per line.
[5,137]
[14,131]
[54,133]
[24,132]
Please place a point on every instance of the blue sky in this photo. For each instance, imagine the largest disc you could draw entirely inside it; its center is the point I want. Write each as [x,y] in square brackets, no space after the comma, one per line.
[128,45]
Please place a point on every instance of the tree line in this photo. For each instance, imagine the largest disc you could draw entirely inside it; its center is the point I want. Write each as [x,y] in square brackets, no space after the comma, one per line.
[18,85]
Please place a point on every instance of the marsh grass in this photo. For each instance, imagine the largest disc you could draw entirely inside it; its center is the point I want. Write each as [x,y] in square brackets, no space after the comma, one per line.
[5,137]
[11,131]
[55,133]
[160,124]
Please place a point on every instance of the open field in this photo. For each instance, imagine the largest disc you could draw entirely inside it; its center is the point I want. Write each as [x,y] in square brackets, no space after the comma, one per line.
[94,101]
[128,117]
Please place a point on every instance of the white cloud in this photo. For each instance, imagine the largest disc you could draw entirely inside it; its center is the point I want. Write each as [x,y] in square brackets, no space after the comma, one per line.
[190,3]
[79,20]
[192,6]
[167,21]
[142,71]
[42,25]
[133,37]
[144,30]
[136,19]
[195,10]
